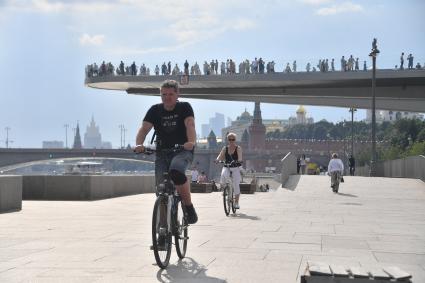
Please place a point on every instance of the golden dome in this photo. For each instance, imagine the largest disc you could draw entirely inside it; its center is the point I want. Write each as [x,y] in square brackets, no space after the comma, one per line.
[301,110]
[245,114]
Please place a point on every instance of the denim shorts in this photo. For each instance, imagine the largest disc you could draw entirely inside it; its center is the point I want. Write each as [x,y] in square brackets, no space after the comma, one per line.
[165,162]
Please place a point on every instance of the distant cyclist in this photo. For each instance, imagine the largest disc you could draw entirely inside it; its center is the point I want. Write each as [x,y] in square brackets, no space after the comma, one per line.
[232,155]
[174,123]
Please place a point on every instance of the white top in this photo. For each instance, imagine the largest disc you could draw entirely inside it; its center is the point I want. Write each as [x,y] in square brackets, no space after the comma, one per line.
[195,174]
[335,165]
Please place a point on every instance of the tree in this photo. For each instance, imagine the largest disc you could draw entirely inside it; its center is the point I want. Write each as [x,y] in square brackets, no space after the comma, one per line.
[417,148]
[421,136]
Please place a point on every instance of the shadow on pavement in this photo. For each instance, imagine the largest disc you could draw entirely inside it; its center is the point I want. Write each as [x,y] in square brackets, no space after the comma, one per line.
[292,182]
[10,211]
[186,270]
[244,216]
[347,195]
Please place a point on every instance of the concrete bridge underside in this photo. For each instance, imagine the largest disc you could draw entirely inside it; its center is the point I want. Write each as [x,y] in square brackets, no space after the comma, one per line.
[396,90]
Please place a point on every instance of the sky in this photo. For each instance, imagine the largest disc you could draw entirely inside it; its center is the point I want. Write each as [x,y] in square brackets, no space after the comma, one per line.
[46,44]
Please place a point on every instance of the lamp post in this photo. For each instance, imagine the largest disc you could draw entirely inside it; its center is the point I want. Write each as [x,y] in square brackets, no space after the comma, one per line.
[122,129]
[7,136]
[374,53]
[352,110]
[328,136]
[123,139]
[66,135]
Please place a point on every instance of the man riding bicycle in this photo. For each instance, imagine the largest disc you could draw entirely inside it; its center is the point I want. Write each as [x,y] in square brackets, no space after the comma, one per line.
[174,123]
[335,170]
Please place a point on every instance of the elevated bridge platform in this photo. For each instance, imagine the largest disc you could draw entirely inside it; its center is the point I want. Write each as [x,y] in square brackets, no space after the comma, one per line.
[396,90]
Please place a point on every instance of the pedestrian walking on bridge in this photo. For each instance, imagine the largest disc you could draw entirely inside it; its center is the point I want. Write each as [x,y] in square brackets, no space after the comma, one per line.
[335,170]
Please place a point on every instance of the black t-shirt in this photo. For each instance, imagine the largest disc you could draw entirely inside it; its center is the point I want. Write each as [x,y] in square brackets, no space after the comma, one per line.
[169,125]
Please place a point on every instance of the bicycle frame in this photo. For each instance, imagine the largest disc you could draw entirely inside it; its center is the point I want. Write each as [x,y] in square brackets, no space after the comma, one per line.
[228,193]
[168,199]
[228,181]
[172,198]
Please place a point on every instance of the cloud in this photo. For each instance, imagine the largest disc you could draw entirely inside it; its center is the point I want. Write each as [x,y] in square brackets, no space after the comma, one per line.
[243,24]
[95,40]
[346,7]
[315,2]
[142,51]
[48,7]
[60,6]
[185,22]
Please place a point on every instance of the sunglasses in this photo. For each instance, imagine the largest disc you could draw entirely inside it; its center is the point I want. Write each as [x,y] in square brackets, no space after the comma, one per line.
[231,139]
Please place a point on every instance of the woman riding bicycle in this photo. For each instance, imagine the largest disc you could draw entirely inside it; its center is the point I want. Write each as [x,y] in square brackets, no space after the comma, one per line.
[232,155]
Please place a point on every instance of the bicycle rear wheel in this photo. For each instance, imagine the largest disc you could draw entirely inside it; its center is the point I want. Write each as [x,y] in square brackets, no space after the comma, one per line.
[226,200]
[336,186]
[161,237]
[181,230]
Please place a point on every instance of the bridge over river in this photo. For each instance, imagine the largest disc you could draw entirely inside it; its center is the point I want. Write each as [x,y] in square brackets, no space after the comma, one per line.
[317,151]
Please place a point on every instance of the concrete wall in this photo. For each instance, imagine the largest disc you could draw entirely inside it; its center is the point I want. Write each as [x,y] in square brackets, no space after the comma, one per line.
[10,193]
[289,167]
[84,187]
[409,167]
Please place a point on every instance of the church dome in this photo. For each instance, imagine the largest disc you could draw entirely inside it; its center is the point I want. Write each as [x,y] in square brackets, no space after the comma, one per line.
[301,110]
[245,116]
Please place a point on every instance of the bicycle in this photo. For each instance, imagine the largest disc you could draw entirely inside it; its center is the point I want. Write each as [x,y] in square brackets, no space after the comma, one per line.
[336,176]
[264,188]
[169,219]
[228,192]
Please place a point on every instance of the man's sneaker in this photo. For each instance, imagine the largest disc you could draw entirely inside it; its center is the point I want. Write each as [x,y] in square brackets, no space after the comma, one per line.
[237,206]
[192,217]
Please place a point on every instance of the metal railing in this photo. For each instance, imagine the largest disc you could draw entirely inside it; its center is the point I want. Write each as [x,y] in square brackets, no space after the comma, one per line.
[408,167]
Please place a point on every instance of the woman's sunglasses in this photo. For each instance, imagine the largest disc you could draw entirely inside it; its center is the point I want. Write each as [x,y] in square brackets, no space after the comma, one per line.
[231,139]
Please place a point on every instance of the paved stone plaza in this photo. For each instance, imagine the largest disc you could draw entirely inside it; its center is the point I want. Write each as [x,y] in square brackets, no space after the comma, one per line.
[373,222]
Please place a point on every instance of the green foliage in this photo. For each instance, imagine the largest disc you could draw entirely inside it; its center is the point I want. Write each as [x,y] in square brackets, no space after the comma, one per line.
[391,153]
[421,136]
[363,157]
[418,148]
[405,137]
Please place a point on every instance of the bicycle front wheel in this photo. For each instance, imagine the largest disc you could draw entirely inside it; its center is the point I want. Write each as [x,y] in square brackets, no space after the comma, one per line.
[181,231]
[226,200]
[232,203]
[161,237]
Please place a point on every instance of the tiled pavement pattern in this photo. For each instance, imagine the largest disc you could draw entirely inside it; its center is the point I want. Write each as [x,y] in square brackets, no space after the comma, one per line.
[373,222]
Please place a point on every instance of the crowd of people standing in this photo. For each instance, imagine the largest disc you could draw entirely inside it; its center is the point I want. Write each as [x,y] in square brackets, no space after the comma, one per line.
[229,67]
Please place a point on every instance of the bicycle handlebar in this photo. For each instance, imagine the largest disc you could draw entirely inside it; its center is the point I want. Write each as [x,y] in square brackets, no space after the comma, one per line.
[229,164]
[151,150]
